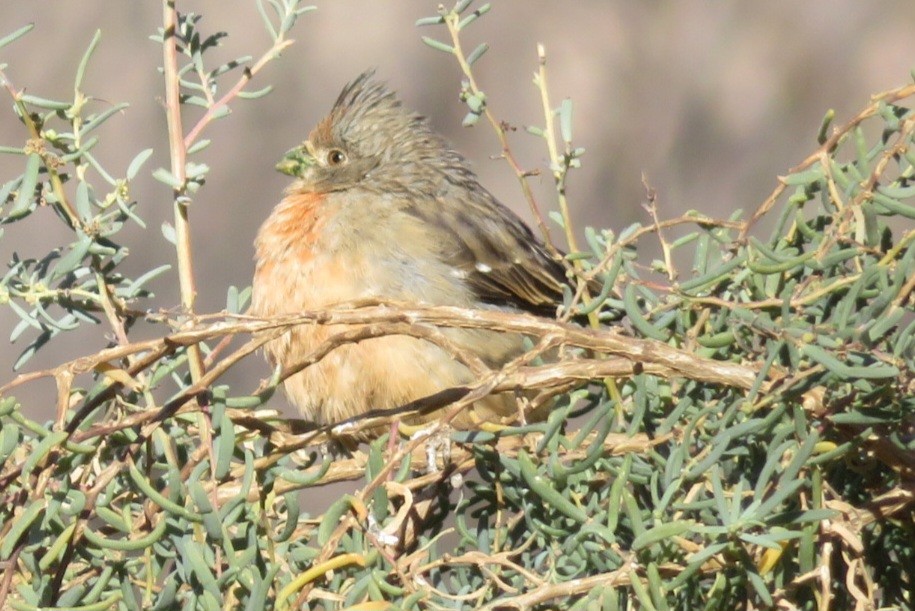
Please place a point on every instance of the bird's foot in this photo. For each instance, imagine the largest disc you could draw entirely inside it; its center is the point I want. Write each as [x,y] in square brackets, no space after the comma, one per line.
[437,444]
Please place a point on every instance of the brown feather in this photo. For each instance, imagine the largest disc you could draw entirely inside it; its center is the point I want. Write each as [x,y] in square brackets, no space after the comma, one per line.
[383,208]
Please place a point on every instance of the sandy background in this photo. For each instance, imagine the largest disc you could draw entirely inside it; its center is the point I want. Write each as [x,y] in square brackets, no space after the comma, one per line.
[711,100]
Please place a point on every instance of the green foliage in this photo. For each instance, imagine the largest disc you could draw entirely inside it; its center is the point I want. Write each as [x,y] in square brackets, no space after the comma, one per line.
[753,448]
[77,282]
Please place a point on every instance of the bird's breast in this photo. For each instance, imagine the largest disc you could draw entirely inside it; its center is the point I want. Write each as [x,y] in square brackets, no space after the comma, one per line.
[287,248]
[314,252]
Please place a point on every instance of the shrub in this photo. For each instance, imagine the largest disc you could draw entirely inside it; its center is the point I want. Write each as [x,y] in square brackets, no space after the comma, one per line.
[745,439]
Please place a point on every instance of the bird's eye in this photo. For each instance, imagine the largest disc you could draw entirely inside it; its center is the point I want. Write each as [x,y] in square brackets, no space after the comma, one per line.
[336,157]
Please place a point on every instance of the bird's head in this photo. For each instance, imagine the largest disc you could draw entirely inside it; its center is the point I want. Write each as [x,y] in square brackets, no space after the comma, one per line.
[370,140]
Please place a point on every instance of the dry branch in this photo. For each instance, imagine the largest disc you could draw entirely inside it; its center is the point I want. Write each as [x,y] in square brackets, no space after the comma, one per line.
[394,318]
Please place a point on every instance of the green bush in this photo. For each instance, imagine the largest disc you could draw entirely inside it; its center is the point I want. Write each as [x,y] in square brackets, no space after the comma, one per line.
[743,440]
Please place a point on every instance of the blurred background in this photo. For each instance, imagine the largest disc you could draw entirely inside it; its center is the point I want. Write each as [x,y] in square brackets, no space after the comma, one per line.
[711,101]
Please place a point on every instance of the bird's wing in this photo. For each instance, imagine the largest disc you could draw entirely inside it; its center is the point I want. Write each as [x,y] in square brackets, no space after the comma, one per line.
[498,256]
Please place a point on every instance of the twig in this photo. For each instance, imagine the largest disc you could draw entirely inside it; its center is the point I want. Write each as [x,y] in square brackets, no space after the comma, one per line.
[451,21]
[237,88]
[651,206]
[9,573]
[548,591]
[549,134]
[888,97]
[405,317]
[178,155]
[37,145]
[607,341]
[560,171]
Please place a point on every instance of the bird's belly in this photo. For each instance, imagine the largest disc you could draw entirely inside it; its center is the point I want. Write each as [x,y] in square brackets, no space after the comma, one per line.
[342,378]
[377,374]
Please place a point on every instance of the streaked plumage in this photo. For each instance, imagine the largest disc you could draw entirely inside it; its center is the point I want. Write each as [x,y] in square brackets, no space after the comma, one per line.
[382,208]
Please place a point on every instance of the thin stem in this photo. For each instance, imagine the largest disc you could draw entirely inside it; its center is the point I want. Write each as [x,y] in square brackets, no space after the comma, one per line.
[452,21]
[178,153]
[887,97]
[549,134]
[37,144]
[248,74]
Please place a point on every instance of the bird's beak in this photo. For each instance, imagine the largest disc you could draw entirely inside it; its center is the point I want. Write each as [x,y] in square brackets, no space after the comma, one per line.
[296,161]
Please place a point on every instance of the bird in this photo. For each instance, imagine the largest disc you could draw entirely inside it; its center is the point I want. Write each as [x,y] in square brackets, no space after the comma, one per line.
[382,207]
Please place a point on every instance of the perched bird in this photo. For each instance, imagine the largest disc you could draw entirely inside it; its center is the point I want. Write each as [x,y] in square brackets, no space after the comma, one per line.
[382,208]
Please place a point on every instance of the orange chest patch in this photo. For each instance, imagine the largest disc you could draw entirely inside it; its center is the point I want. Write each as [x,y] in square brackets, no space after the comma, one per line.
[294,225]
[285,250]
